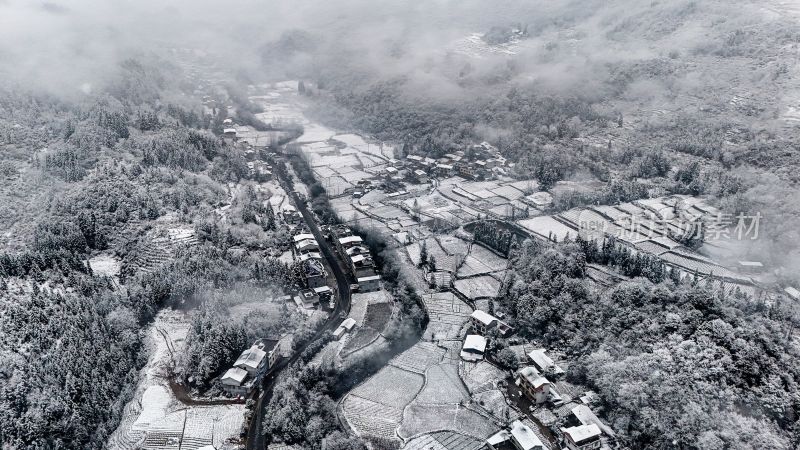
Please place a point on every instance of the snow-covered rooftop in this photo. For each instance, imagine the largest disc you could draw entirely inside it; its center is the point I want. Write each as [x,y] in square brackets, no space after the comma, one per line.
[483,317]
[250,358]
[475,343]
[524,437]
[582,433]
[234,376]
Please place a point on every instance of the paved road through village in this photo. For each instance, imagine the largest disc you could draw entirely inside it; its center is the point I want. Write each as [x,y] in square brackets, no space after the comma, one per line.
[255,438]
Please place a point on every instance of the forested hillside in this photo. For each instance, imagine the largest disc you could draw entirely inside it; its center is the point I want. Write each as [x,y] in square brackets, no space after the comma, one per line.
[89,176]
[675,364]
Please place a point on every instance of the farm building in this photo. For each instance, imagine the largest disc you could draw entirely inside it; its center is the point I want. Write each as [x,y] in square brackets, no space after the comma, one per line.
[536,387]
[584,437]
[233,381]
[543,362]
[369,283]
[792,292]
[583,415]
[750,267]
[474,346]
[344,327]
[519,437]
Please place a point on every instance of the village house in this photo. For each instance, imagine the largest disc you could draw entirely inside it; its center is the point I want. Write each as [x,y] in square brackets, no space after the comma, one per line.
[445,170]
[233,382]
[414,161]
[310,255]
[544,363]
[482,322]
[583,415]
[306,245]
[420,176]
[584,437]
[290,215]
[251,365]
[253,360]
[343,243]
[314,273]
[536,387]
[306,299]
[229,133]
[473,348]
[362,265]
[518,437]
[369,283]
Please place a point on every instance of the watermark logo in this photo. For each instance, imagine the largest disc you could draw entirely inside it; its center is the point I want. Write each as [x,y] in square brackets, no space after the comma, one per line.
[722,226]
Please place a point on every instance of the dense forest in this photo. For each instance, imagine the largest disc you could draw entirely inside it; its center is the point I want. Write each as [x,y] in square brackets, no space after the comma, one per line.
[92,175]
[676,364]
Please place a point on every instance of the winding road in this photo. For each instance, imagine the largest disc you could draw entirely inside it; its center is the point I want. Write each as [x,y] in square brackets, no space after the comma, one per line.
[255,437]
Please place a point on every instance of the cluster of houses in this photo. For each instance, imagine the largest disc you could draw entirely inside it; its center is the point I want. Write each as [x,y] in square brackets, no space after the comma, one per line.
[482,324]
[307,253]
[252,364]
[582,429]
[357,257]
[478,162]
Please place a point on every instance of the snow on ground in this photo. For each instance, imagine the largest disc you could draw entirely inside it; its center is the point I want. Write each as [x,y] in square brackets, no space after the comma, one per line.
[444,440]
[105,265]
[443,385]
[421,418]
[154,418]
[286,257]
[478,287]
[448,315]
[546,226]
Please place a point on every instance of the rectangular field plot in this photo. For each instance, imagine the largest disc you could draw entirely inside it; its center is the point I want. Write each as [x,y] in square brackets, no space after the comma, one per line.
[419,357]
[473,266]
[442,385]
[453,245]
[391,386]
[546,226]
[444,440]
[482,376]
[488,258]
[478,287]
[369,418]
[508,192]
[419,419]
[447,315]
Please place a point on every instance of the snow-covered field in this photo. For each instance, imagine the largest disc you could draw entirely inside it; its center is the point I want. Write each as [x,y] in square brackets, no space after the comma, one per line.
[105,265]
[478,287]
[154,418]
